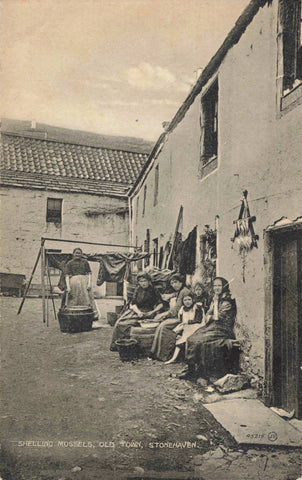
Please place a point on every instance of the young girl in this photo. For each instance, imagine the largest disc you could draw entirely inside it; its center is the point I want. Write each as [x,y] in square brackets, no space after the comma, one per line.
[201,297]
[190,317]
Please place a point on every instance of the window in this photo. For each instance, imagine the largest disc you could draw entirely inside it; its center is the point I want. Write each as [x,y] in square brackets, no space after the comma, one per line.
[54,210]
[147,247]
[136,209]
[144,200]
[156,179]
[290,20]
[210,123]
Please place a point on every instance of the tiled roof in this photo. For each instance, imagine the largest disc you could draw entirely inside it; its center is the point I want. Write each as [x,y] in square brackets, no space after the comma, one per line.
[39,163]
[35,181]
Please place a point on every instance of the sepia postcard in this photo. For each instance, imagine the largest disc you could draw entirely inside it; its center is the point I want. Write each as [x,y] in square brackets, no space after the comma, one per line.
[151,239]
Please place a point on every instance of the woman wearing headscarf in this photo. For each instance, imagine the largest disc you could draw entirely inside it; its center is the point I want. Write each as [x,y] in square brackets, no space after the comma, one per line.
[164,338]
[207,347]
[145,304]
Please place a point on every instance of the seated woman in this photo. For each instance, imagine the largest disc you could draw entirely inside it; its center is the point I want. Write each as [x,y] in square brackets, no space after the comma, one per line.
[206,349]
[78,283]
[190,317]
[164,342]
[145,304]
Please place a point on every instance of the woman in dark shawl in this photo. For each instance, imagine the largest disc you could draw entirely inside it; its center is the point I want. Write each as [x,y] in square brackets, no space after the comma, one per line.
[145,304]
[207,347]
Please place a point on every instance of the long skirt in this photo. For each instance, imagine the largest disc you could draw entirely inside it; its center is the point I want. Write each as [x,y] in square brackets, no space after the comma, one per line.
[79,296]
[187,331]
[164,339]
[209,350]
[123,326]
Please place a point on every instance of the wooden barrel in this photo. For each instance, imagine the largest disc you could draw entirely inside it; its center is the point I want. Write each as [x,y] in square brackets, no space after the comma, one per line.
[75,319]
[144,338]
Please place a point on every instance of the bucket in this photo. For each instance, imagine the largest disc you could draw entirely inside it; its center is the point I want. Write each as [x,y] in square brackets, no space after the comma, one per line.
[75,319]
[127,348]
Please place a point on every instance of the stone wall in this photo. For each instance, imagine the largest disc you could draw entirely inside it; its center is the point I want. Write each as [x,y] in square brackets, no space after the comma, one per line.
[84,218]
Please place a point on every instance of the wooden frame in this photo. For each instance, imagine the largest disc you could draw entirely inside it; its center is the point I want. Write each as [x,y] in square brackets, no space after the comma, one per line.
[44,270]
[272,325]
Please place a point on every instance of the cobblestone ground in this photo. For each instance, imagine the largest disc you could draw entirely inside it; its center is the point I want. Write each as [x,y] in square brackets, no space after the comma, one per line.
[71,410]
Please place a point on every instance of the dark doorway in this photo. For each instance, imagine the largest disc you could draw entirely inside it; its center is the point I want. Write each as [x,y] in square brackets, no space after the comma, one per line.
[287,320]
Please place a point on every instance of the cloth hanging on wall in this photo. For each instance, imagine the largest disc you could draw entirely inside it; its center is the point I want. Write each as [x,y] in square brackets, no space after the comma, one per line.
[188,254]
[176,253]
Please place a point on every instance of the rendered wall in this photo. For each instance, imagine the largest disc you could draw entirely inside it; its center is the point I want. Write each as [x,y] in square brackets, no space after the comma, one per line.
[257,151]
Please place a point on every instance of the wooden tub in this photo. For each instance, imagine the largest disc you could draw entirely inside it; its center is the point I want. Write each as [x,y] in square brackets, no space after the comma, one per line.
[75,319]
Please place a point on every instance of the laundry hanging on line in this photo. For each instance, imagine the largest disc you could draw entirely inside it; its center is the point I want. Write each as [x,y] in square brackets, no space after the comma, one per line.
[113,267]
[116,267]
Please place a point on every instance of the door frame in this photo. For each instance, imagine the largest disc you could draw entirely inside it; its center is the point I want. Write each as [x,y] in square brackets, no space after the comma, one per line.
[271,234]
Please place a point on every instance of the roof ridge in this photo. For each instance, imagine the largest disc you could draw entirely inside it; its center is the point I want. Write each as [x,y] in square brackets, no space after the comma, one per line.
[65,142]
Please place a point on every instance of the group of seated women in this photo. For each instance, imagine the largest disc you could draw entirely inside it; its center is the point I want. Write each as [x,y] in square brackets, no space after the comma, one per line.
[187,320]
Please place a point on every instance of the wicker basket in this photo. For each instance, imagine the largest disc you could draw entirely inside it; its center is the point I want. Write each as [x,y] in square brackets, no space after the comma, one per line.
[75,319]
[127,348]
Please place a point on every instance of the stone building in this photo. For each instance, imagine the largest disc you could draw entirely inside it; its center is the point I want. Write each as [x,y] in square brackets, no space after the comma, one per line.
[239,130]
[63,184]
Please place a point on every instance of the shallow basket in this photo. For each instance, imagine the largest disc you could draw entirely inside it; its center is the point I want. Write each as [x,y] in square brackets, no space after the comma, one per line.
[75,319]
[127,348]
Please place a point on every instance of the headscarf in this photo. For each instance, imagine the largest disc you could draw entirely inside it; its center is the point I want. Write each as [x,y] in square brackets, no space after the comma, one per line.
[77,249]
[144,275]
[178,277]
[225,285]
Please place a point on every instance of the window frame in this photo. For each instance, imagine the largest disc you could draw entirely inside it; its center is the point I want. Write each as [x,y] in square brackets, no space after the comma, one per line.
[51,217]
[209,124]
[136,209]
[290,12]
[156,185]
[144,201]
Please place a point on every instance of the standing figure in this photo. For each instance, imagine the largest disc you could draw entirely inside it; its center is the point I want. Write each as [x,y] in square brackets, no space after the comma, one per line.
[78,283]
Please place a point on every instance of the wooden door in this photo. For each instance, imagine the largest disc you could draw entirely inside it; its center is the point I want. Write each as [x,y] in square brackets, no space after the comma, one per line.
[287,325]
